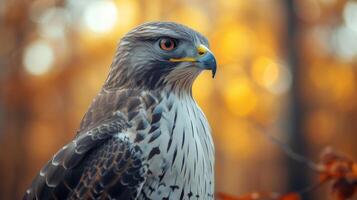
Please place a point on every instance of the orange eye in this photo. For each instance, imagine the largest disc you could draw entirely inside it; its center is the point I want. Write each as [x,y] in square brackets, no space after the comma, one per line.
[167,44]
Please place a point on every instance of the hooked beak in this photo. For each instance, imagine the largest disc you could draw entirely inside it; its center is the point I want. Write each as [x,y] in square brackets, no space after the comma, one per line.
[204,60]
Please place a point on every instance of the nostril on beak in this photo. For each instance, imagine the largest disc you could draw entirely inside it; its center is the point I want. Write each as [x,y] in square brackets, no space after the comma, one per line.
[201,50]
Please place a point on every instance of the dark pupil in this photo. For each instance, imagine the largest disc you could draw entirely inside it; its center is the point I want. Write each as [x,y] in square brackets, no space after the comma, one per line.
[167,43]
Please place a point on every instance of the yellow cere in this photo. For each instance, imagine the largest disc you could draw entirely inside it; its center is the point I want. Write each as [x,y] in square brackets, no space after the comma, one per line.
[186,59]
[201,49]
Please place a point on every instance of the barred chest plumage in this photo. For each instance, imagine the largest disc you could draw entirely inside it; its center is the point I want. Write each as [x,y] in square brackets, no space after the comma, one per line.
[179,150]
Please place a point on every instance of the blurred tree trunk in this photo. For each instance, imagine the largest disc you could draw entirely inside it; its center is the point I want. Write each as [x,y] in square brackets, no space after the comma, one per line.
[297,172]
[14,105]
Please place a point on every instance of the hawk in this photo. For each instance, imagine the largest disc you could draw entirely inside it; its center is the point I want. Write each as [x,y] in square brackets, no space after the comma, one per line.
[144,136]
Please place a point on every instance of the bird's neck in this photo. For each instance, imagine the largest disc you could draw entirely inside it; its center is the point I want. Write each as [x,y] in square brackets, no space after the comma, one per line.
[180,82]
[181,93]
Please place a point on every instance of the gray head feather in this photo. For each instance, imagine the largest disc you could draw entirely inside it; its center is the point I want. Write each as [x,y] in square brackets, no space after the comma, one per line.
[140,63]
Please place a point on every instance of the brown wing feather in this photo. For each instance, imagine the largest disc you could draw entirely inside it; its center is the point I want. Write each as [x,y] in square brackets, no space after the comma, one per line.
[116,170]
[64,175]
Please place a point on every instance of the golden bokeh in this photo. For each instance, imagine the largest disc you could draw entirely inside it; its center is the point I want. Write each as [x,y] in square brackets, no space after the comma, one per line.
[240,96]
[281,71]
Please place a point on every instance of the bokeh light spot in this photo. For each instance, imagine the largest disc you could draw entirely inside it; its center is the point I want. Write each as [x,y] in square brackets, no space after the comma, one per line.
[236,41]
[240,97]
[350,15]
[344,42]
[271,75]
[100,16]
[265,72]
[53,22]
[38,57]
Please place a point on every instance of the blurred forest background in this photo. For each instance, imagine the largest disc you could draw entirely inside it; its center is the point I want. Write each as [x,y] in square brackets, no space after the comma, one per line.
[287,68]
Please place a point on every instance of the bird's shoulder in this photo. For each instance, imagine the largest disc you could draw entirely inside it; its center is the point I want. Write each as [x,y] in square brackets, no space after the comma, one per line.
[110,113]
[120,104]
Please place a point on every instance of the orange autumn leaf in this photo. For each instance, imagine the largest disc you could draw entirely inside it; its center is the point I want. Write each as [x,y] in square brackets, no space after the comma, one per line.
[290,196]
[334,168]
[261,196]
[341,171]
[354,169]
[343,189]
[223,196]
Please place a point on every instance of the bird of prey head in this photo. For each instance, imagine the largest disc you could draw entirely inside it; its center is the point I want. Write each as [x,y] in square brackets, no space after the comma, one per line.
[160,54]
